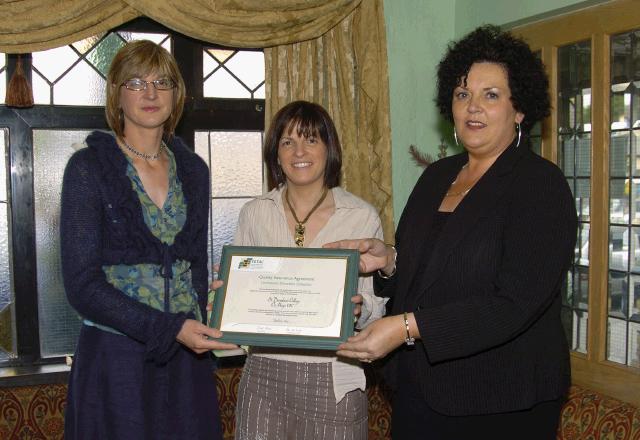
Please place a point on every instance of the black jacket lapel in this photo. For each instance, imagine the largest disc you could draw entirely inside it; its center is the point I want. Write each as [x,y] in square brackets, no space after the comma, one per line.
[487,192]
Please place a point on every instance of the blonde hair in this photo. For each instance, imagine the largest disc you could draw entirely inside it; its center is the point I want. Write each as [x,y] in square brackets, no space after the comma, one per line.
[137,60]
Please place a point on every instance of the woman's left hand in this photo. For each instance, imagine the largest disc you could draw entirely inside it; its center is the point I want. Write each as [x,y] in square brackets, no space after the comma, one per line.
[376,341]
[199,338]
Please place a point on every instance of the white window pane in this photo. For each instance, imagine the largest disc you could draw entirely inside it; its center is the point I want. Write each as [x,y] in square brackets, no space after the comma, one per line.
[619,201]
[224,222]
[616,340]
[635,111]
[635,151]
[6,293]
[583,155]
[635,201]
[208,63]
[231,177]
[259,94]
[7,312]
[59,323]
[222,85]
[634,298]
[4,138]
[634,247]
[53,62]
[41,89]
[618,294]
[634,345]
[156,38]
[82,86]
[619,248]
[582,244]
[248,66]
[566,155]
[582,195]
[619,155]
[201,143]
[5,274]
[3,84]
[221,54]
[83,46]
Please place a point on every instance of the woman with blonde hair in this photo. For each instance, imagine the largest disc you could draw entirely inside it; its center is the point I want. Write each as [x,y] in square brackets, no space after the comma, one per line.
[134,260]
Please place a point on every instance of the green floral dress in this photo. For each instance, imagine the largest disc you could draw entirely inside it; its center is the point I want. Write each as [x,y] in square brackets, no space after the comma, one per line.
[144,281]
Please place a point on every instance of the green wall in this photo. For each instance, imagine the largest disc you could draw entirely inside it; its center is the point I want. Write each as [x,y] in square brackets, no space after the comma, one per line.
[471,13]
[416,39]
[418,32]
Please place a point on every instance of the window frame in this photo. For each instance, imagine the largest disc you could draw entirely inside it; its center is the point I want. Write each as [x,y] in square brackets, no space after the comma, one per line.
[596,24]
[200,114]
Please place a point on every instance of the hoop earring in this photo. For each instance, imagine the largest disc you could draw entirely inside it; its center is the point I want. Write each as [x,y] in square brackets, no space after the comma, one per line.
[519,134]
[455,136]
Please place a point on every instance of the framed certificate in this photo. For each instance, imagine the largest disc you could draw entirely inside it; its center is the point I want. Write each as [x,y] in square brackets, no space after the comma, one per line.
[286,297]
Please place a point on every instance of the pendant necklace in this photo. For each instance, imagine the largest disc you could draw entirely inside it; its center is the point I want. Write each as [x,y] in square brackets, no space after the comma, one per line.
[300,225]
[142,155]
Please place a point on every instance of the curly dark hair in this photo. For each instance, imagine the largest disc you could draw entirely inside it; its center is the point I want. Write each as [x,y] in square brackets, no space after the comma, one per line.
[527,78]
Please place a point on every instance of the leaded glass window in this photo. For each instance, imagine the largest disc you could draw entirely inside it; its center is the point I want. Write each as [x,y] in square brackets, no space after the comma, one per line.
[36,323]
[233,181]
[3,77]
[59,323]
[233,73]
[574,158]
[623,301]
[7,310]
[76,74]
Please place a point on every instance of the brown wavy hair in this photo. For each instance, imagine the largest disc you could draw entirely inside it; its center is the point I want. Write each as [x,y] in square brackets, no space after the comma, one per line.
[137,60]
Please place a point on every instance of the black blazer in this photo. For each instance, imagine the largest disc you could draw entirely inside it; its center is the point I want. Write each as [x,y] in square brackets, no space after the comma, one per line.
[487,302]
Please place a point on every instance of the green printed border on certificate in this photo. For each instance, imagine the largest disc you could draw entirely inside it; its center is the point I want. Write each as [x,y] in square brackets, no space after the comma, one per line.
[286,340]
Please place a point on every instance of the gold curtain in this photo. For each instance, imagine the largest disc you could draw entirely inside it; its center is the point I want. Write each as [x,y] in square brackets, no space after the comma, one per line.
[332,52]
[345,71]
[32,25]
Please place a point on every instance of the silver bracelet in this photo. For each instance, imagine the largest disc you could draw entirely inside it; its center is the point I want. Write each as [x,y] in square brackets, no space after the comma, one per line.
[395,259]
[409,340]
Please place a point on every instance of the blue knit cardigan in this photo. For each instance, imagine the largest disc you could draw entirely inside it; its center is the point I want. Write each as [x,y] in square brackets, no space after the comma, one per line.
[101,223]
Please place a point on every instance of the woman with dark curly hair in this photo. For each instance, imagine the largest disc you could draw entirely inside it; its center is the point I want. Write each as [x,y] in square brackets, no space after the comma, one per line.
[483,248]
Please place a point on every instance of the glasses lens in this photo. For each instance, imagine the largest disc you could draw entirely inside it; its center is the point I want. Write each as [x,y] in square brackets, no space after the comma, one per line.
[135,84]
[164,84]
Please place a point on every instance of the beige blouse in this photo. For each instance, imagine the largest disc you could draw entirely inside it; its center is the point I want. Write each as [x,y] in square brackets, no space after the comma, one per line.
[262,222]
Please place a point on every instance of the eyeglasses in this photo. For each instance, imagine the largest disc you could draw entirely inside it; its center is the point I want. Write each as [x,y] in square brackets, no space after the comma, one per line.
[138,84]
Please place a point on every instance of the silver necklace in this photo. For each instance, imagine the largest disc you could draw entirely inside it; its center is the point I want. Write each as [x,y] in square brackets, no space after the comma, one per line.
[142,155]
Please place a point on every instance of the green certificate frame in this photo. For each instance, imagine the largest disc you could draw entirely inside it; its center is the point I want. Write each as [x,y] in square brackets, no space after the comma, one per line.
[286,297]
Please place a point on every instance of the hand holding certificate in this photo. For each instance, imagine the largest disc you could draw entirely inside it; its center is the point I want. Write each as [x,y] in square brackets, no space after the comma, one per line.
[286,297]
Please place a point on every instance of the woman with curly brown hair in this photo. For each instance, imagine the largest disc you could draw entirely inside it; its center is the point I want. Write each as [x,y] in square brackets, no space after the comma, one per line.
[483,248]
